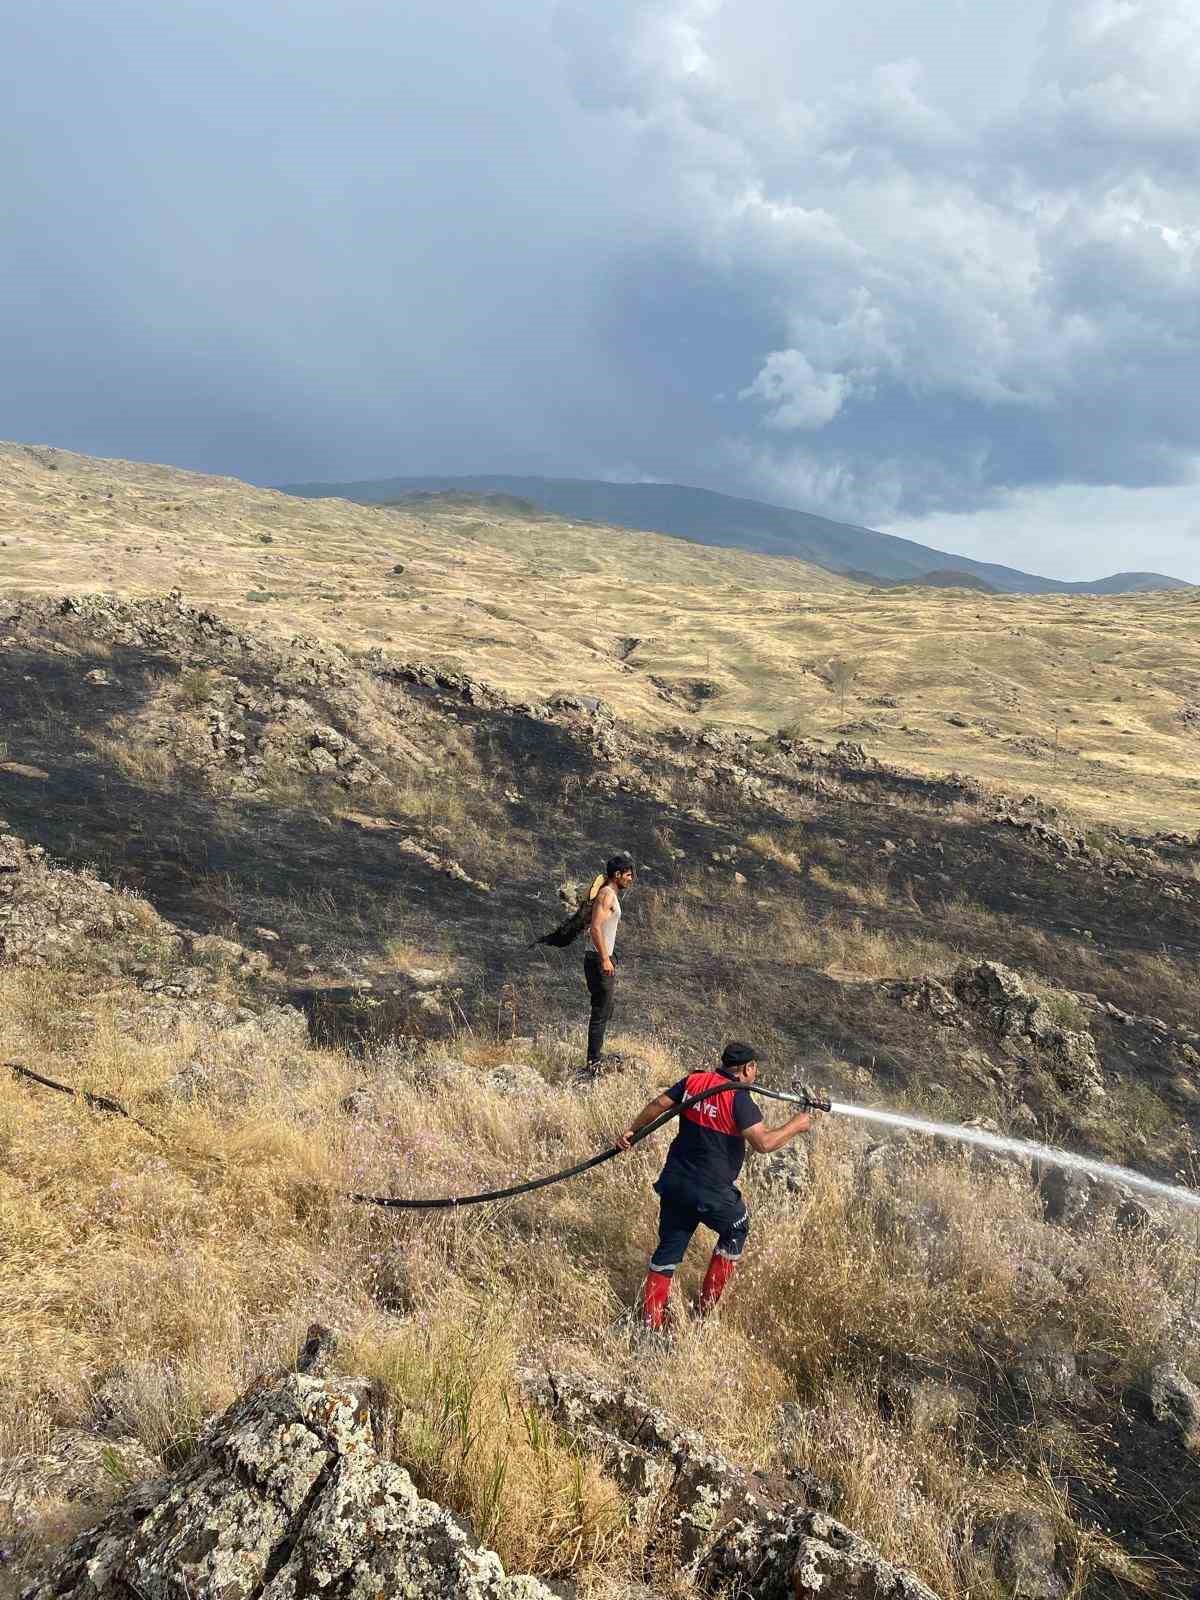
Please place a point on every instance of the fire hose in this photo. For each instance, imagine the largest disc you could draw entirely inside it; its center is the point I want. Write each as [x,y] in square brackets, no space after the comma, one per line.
[805,1098]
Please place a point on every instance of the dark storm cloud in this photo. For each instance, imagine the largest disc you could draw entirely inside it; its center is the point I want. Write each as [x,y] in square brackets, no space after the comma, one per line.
[925,260]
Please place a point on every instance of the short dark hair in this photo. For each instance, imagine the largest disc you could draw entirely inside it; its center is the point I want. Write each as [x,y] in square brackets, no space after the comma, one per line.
[616,864]
[738,1054]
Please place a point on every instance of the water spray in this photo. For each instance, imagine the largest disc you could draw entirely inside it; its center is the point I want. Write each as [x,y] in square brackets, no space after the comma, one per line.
[1031,1148]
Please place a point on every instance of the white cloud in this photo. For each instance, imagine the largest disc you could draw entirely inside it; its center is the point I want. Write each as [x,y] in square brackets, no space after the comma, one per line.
[797,396]
[962,309]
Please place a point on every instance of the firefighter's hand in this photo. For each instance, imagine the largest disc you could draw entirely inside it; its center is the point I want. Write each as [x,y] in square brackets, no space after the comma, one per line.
[624,1140]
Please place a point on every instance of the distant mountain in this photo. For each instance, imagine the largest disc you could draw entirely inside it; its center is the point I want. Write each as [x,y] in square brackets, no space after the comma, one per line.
[709,518]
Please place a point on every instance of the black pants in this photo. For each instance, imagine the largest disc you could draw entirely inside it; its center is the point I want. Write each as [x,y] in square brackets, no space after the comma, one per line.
[682,1209]
[602,988]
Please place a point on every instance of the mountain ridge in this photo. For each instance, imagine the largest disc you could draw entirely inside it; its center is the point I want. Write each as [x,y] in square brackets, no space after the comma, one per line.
[707,517]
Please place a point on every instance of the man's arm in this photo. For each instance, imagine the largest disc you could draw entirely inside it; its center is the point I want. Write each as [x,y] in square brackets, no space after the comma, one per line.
[652,1108]
[601,906]
[764,1140]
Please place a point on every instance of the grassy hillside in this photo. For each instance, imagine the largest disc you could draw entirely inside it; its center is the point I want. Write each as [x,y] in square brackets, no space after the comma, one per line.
[284,914]
[1092,701]
[745,524]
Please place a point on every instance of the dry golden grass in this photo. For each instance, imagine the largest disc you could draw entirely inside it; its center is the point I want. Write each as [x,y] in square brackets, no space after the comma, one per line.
[547,605]
[161,1273]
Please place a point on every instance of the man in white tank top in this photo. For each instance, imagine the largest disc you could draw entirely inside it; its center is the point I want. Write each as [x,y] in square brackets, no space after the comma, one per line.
[599,964]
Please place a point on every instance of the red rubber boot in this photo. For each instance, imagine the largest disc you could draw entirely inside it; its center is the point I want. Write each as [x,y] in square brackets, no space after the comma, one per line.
[720,1270]
[654,1298]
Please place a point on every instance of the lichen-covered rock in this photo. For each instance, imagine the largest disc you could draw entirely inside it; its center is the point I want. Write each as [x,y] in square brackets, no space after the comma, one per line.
[704,1486]
[737,1536]
[927,996]
[1022,1022]
[51,914]
[801,1553]
[285,1496]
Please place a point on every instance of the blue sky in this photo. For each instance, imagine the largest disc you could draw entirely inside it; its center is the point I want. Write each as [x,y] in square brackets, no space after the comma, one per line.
[929,265]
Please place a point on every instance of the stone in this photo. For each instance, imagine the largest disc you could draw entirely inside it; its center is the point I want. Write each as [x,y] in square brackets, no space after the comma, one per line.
[795,1553]
[927,1404]
[833,1563]
[78,1467]
[705,1487]
[784,1171]
[1133,1215]
[1048,1370]
[1009,1165]
[515,1079]
[428,977]
[284,1496]
[1022,1550]
[725,1526]
[1075,1199]
[925,995]
[1175,1404]
[21,769]
[1023,1023]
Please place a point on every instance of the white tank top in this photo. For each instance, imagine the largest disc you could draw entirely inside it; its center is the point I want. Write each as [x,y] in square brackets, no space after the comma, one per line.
[608,927]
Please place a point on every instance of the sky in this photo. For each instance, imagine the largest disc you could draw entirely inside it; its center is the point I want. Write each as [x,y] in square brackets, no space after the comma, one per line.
[925,265]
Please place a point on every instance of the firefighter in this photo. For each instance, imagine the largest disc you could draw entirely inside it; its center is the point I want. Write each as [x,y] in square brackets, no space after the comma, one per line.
[698,1182]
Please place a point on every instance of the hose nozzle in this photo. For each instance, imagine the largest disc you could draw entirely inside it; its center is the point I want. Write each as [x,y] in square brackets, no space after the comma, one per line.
[814,1099]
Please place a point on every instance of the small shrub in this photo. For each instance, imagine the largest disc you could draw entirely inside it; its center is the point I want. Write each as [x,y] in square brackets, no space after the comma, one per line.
[195,685]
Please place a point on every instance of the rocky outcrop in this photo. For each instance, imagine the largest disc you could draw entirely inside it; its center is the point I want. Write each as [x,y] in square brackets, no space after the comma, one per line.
[728,1527]
[50,914]
[1022,1022]
[284,1496]
[994,998]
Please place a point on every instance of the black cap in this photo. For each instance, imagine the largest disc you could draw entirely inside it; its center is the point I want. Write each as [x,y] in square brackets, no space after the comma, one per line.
[738,1054]
[616,864]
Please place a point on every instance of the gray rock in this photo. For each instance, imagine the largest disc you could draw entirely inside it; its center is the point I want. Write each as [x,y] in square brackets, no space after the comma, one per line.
[1024,1023]
[786,1171]
[77,1467]
[927,1403]
[1072,1199]
[1175,1404]
[1022,1550]
[285,1496]
[798,1553]
[705,1487]
[516,1079]
[725,1526]
[1048,1369]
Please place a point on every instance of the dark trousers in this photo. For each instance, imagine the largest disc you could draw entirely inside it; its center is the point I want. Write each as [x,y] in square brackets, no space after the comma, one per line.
[682,1209]
[602,987]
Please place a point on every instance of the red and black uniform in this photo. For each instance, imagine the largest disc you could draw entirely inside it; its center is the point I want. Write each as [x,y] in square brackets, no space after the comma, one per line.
[698,1185]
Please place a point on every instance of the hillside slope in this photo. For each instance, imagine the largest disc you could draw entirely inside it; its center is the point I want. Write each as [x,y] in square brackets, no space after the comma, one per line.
[960,1357]
[1092,701]
[711,518]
